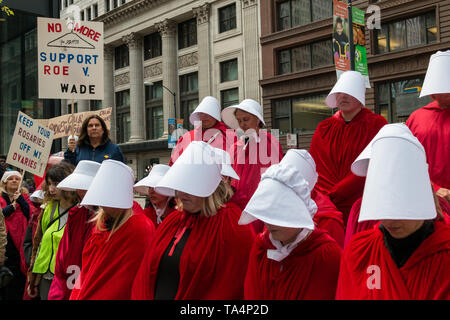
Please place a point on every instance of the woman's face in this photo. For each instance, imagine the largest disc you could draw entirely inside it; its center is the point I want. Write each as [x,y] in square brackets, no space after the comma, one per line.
[339,28]
[12,184]
[207,120]
[283,234]
[113,212]
[81,193]
[191,203]
[400,229]
[247,120]
[54,192]
[346,103]
[443,99]
[155,198]
[95,129]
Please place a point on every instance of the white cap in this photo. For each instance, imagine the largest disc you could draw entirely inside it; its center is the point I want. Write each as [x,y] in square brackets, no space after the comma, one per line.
[224,160]
[81,178]
[351,83]
[195,172]
[112,186]
[247,105]
[360,165]
[9,174]
[37,196]
[210,106]
[156,174]
[398,185]
[304,162]
[437,79]
[282,199]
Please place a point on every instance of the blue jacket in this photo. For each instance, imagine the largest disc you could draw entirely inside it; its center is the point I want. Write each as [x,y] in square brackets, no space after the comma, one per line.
[105,151]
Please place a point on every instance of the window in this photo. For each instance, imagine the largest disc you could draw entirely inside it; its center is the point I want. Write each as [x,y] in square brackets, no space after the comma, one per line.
[95,11]
[294,13]
[188,97]
[115,3]
[107,6]
[88,14]
[123,120]
[95,105]
[152,46]
[228,70]
[121,57]
[396,100]
[227,18]
[229,97]
[154,110]
[122,2]
[300,114]
[82,15]
[307,57]
[407,33]
[187,34]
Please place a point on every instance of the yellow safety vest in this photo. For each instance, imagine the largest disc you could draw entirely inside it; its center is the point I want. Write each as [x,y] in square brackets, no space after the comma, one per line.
[51,236]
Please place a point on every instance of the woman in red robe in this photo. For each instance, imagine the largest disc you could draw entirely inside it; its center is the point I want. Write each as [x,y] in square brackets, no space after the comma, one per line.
[339,139]
[212,130]
[253,153]
[122,235]
[406,255]
[199,252]
[291,259]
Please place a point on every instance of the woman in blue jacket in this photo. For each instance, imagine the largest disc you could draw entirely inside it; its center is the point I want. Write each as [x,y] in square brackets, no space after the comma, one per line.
[94,143]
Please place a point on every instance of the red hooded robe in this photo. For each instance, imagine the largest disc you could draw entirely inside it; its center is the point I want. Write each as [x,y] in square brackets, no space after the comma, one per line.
[368,271]
[109,265]
[310,272]
[334,147]
[214,259]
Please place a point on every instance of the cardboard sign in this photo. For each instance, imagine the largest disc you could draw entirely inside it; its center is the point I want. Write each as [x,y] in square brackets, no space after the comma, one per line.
[70,62]
[30,145]
[62,126]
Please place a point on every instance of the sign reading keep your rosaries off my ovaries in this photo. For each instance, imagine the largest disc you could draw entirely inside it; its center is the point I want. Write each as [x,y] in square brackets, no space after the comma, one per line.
[70,61]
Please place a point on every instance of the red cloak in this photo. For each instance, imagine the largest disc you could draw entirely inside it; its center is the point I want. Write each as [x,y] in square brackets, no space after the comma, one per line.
[76,234]
[368,271]
[310,272]
[431,125]
[109,266]
[334,147]
[328,218]
[221,141]
[353,226]
[213,262]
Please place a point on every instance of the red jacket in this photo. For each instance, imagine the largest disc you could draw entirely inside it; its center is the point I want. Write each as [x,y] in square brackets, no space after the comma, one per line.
[310,272]
[151,214]
[214,259]
[334,147]
[368,271]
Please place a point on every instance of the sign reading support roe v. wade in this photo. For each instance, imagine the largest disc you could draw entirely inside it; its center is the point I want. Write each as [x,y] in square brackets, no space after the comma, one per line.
[70,62]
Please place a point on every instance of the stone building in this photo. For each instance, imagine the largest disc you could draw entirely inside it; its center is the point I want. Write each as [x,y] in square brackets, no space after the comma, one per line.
[162,57]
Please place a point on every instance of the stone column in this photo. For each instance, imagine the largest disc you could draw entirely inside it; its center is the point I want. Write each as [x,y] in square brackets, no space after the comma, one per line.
[137,114]
[108,98]
[168,28]
[204,48]
[251,49]
[82,105]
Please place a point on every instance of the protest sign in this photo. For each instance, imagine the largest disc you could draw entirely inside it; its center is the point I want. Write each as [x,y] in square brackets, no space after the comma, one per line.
[30,145]
[359,40]
[62,126]
[70,61]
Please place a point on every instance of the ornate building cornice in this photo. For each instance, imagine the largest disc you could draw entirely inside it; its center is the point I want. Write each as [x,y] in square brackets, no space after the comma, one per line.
[153,70]
[188,60]
[202,13]
[128,10]
[248,3]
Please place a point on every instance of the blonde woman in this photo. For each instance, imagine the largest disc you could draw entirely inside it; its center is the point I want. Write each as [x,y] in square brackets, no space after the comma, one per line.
[122,235]
[199,252]
[50,229]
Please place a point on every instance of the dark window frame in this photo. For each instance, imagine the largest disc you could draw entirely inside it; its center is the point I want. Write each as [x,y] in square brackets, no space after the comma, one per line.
[278,3]
[152,46]
[229,22]
[224,64]
[187,33]
[153,100]
[227,104]
[188,95]
[121,57]
[122,110]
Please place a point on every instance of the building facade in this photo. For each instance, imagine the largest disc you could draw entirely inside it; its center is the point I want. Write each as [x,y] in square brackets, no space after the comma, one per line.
[162,57]
[18,67]
[297,60]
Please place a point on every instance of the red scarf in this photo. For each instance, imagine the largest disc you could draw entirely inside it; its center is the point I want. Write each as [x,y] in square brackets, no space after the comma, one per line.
[214,259]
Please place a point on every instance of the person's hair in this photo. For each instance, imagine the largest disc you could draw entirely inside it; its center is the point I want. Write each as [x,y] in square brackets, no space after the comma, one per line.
[101,220]
[3,186]
[84,138]
[58,173]
[211,204]
[260,123]
[2,156]
[339,20]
